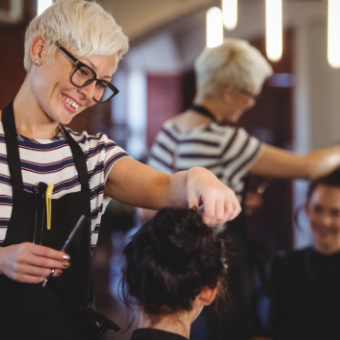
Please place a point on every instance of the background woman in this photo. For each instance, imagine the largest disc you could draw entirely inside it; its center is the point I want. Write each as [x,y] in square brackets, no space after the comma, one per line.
[174,265]
[71,53]
[229,80]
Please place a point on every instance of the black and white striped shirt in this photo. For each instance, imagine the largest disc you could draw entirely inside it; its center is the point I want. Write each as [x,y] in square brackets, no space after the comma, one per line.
[226,151]
[51,161]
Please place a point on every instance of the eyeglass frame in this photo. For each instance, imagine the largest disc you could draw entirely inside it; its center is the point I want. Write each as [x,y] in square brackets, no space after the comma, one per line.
[80,64]
[257,98]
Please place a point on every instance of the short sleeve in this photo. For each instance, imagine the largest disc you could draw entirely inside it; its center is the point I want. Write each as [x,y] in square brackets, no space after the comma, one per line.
[101,154]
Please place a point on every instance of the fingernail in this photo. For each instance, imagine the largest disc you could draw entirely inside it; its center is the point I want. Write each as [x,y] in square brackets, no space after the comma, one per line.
[66,257]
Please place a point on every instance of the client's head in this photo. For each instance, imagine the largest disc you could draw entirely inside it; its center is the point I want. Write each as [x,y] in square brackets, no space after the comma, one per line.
[323,210]
[174,264]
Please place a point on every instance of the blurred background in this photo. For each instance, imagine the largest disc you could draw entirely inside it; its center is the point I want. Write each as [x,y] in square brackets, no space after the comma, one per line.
[300,111]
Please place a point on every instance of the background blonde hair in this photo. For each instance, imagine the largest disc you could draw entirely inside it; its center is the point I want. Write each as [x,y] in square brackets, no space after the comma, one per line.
[79,25]
[234,62]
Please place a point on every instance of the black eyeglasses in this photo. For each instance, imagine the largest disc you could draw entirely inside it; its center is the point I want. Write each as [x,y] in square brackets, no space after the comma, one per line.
[258,99]
[83,76]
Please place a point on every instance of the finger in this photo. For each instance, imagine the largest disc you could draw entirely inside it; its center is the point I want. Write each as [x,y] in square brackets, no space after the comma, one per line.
[24,278]
[209,212]
[57,272]
[235,210]
[47,252]
[219,217]
[228,210]
[45,262]
[32,270]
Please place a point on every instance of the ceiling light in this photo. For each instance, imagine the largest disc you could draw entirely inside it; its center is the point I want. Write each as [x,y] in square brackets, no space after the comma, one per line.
[274,29]
[42,5]
[229,10]
[214,27]
[334,33]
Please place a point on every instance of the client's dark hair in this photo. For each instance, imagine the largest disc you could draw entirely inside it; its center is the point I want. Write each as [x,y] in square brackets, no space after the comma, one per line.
[171,259]
[332,180]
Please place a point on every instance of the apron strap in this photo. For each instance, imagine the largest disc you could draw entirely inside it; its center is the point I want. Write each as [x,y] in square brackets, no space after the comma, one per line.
[12,146]
[79,160]
[13,157]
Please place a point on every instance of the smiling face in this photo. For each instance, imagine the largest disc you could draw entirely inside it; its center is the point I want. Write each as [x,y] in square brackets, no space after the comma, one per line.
[50,83]
[323,210]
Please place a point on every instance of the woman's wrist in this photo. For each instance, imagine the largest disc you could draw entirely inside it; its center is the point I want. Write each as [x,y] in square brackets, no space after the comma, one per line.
[177,195]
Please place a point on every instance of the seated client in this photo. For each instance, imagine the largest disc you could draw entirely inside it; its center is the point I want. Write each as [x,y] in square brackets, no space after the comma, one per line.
[306,294]
[175,265]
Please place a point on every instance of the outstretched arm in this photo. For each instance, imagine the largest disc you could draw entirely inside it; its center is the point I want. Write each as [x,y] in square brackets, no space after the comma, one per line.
[279,163]
[137,184]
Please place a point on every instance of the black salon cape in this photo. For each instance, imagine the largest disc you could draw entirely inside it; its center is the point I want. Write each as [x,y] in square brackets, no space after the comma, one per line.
[306,296]
[155,334]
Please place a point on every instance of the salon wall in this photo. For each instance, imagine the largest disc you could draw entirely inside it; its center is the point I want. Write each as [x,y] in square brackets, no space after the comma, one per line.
[306,18]
[12,53]
[316,101]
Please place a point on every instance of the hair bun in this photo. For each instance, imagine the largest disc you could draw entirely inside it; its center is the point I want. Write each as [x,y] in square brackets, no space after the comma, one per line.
[170,259]
[177,236]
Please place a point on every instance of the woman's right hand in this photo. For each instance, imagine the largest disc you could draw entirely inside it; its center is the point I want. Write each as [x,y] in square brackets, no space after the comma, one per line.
[31,263]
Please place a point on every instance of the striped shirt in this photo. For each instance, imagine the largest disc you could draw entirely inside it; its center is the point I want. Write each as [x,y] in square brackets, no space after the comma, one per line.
[51,161]
[226,151]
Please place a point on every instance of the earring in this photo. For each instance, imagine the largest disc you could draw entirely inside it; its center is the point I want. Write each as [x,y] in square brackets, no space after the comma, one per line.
[36,62]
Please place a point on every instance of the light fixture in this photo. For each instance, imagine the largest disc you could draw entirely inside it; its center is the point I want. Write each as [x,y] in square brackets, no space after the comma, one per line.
[274,29]
[334,33]
[229,11]
[214,27]
[42,5]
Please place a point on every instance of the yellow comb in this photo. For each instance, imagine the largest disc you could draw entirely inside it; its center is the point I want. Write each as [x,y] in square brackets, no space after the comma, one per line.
[49,191]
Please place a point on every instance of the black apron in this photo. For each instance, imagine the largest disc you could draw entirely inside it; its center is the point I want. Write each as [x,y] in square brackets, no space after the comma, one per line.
[30,310]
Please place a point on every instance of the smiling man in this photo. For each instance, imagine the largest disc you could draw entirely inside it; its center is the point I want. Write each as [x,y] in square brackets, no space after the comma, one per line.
[306,283]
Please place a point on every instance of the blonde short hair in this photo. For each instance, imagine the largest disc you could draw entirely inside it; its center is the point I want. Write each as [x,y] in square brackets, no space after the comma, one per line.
[235,62]
[81,26]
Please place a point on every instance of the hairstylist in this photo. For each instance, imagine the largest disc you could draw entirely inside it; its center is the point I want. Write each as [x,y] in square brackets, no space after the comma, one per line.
[71,53]
[229,81]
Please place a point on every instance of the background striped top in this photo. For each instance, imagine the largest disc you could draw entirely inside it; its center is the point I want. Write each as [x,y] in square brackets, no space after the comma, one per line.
[226,151]
[51,161]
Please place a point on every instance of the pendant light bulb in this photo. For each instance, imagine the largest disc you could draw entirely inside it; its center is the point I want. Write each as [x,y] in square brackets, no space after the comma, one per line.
[274,29]
[334,33]
[214,27]
[42,5]
[229,11]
